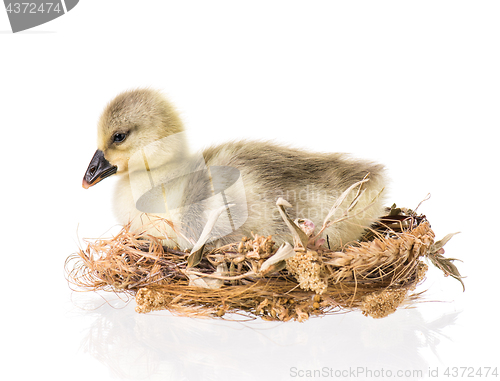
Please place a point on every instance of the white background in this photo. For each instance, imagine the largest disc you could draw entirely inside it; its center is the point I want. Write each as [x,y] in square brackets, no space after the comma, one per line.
[414,85]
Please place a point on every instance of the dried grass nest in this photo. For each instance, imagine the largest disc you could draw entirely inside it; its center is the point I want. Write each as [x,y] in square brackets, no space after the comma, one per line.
[255,278]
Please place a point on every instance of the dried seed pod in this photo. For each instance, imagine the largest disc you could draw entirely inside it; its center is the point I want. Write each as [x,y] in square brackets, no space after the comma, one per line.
[238,259]
[306,225]
[218,258]
[263,304]
[241,247]
[248,245]
[269,247]
[301,315]
[252,255]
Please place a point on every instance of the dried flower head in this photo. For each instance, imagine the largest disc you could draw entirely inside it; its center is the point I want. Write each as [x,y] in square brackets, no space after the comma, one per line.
[382,303]
[306,266]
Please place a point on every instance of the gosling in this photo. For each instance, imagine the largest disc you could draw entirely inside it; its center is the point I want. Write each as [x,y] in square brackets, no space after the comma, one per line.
[167,191]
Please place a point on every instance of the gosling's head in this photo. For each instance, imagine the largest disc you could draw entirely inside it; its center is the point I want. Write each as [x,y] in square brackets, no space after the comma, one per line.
[130,122]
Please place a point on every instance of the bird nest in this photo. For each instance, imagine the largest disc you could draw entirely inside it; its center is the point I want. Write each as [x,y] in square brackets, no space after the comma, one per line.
[255,278]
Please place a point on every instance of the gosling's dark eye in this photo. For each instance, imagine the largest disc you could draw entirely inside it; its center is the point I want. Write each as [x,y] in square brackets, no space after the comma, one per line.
[120,137]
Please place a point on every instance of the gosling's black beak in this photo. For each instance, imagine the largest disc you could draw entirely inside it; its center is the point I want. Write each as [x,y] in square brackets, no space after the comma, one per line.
[99,168]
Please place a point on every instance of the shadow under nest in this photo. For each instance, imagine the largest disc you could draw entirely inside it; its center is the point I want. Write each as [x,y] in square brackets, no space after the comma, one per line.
[255,278]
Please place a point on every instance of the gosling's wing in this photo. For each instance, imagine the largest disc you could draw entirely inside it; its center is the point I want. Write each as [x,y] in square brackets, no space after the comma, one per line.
[289,168]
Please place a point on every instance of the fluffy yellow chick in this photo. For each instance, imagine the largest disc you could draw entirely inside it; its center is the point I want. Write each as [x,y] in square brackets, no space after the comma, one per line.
[172,193]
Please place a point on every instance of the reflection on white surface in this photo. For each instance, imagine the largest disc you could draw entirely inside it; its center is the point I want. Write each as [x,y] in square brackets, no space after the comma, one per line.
[161,346]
